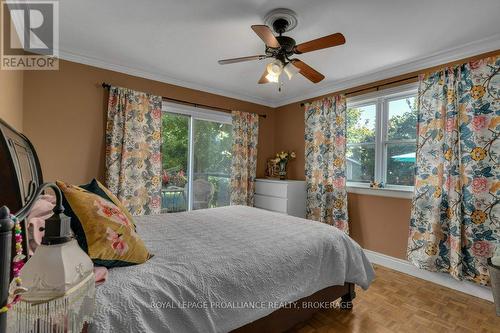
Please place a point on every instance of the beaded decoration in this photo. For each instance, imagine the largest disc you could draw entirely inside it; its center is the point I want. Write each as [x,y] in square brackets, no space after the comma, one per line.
[17,265]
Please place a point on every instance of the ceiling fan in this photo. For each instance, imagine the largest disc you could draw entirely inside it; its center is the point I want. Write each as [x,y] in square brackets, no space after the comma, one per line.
[282,48]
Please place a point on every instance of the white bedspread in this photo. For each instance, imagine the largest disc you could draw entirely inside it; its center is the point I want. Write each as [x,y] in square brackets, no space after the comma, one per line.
[207,260]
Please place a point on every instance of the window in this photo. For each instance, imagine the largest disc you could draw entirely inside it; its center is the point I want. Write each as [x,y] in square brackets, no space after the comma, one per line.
[381,138]
[361,143]
[196,158]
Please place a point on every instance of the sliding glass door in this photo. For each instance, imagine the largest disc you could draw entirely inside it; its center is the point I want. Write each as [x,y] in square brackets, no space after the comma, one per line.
[175,162]
[196,158]
[211,164]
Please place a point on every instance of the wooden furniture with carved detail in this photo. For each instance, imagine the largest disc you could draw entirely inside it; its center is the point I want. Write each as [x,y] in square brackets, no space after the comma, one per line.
[20,172]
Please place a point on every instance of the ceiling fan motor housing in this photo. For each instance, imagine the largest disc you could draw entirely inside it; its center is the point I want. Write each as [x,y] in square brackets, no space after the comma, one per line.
[282,20]
[280,25]
[287,44]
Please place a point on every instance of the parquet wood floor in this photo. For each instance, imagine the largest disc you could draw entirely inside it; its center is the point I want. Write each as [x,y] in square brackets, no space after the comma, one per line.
[397,302]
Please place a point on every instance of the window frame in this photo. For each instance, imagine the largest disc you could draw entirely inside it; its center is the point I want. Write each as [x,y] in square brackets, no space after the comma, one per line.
[381,99]
[361,104]
[194,113]
[197,112]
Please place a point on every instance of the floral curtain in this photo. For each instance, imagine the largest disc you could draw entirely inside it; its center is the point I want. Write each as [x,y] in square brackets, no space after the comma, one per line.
[244,163]
[455,219]
[325,152]
[133,141]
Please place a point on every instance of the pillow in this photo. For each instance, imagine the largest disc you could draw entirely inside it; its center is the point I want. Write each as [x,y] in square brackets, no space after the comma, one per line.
[102,229]
[97,188]
[100,275]
[42,210]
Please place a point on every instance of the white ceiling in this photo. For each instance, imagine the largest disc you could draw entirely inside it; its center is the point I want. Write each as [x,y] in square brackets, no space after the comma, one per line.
[180,41]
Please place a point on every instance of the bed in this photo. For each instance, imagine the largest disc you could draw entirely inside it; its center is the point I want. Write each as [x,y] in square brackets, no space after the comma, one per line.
[234,268]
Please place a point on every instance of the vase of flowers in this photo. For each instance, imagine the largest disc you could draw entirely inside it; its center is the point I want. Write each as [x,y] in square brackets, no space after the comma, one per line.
[281,160]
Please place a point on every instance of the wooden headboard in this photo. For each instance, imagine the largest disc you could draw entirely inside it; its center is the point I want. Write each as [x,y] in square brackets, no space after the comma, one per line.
[20,172]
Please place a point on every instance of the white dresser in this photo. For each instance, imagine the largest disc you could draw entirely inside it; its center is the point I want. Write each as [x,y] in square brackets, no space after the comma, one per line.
[283,196]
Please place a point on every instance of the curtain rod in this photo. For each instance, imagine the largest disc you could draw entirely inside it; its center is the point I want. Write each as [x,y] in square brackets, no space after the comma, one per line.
[180,101]
[377,87]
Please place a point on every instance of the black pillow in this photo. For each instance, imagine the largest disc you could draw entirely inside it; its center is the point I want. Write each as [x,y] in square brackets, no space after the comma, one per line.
[94,187]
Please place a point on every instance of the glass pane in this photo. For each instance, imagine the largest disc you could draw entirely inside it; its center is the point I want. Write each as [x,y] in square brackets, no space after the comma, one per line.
[400,164]
[360,166]
[361,124]
[211,164]
[402,119]
[175,152]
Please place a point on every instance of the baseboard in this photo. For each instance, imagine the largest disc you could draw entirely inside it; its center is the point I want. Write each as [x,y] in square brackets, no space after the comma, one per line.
[439,278]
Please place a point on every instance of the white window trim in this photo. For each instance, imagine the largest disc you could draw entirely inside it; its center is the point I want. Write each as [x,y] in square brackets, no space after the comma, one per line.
[388,93]
[392,191]
[381,99]
[197,112]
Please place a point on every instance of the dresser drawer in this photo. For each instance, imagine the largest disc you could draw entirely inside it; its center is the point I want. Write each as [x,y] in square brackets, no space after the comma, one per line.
[272,189]
[271,203]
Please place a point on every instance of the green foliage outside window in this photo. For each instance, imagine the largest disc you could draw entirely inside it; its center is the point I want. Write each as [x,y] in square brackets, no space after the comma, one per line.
[401,126]
[212,143]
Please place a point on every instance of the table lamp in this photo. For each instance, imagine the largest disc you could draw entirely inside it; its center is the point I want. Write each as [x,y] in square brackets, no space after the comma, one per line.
[59,280]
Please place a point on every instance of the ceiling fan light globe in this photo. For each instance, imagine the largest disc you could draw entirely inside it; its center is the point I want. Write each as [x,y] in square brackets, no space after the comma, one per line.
[272,78]
[290,70]
[289,74]
[275,67]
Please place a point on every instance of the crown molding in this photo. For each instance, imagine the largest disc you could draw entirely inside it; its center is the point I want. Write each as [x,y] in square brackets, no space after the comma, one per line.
[442,57]
[99,63]
[456,53]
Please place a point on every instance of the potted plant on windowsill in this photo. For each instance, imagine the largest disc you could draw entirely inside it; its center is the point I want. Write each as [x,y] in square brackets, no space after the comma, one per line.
[494,269]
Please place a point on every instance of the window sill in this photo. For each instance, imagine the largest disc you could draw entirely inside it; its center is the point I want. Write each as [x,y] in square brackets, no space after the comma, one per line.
[403,192]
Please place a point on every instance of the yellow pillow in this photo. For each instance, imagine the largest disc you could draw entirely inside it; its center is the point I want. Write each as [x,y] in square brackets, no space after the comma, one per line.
[96,187]
[104,231]
[116,201]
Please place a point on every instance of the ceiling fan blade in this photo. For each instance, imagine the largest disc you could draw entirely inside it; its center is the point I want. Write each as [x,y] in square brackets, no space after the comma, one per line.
[241,59]
[309,72]
[320,43]
[263,78]
[265,33]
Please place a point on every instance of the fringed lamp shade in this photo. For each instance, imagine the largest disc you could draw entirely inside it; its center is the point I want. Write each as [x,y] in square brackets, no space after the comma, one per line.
[60,297]
[60,284]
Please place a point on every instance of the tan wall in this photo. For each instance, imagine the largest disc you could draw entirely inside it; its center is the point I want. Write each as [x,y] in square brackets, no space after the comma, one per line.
[64,116]
[11,92]
[11,98]
[289,135]
[380,224]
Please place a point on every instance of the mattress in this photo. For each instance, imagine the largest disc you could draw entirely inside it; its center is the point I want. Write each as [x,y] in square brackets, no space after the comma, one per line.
[218,269]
